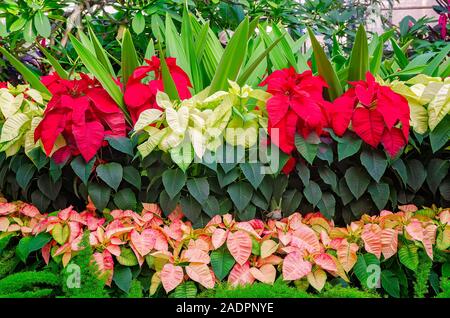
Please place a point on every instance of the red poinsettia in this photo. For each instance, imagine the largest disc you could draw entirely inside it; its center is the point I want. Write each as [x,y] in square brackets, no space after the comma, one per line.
[139,96]
[297,105]
[3,85]
[377,115]
[83,113]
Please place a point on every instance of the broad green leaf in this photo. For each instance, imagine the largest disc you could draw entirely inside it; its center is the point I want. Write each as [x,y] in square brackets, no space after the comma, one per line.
[199,189]
[408,256]
[127,257]
[191,208]
[325,68]
[253,173]
[28,32]
[125,199]
[306,149]
[416,174]
[132,176]
[440,135]
[100,195]
[312,193]
[240,193]
[242,79]
[366,269]
[437,171]
[348,146]
[122,144]
[359,58]
[357,181]
[42,24]
[328,176]
[173,181]
[400,57]
[123,277]
[327,205]
[49,187]
[232,59]
[24,175]
[111,173]
[390,283]
[138,23]
[375,163]
[185,290]
[380,194]
[82,169]
[222,262]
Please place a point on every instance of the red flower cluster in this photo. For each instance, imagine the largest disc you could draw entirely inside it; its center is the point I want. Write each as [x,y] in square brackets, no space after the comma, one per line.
[297,105]
[139,96]
[3,85]
[377,114]
[83,112]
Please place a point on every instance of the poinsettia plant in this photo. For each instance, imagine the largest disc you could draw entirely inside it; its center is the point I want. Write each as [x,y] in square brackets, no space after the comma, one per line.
[307,249]
[376,114]
[78,117]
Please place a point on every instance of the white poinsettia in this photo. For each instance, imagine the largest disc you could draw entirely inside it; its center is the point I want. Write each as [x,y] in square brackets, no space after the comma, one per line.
[181,126]
[428,99]
[21,110]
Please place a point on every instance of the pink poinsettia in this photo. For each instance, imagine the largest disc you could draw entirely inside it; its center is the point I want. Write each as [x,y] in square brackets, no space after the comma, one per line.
[140,96]
[374,112]
[83,113]
[296,105]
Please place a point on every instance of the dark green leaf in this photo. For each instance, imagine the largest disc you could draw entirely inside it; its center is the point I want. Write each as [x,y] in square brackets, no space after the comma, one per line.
[199,189]
[327,205]
[416,174]
[375,163]
[173,181]
[24,175]
[312,193]
[100,195]
[437,171]
[123,277]
[380,194]
[390,283]
[306,149]
[125,199]
[48,187]
[191,208]
[122,144]
[132,176]
[241,194]
[359,58]
[111,173]
[82,169]
[253,172]
[357,181]
[222,262]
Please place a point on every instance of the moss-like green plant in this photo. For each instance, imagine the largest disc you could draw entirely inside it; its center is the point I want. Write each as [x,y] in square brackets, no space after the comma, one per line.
[258,290]
[8,262]
[339,291]
[29,284]
[422,275]
[90,285]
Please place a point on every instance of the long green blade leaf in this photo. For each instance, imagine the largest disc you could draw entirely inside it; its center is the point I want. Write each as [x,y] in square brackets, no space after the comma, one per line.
[325,68]
[248,72]
[28,75]
[169,85]
[232,59]
[359,59]
[54,62]
[91,63]
[433,66]
[100,52]
[129,56]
